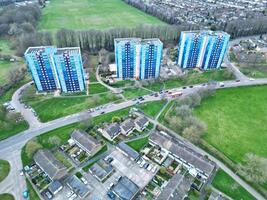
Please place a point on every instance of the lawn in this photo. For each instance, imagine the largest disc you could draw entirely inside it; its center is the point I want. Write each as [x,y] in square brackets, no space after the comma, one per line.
[63,133]
[5,68]
[123,83]
[4,169]
[5,47]
[237,121]
[191,78]
[63,159]
[64,105]
[6,196]
[96,88]
[32,193]
[227,185]
[152,108]
[138,144]
[131,93]
[92,14]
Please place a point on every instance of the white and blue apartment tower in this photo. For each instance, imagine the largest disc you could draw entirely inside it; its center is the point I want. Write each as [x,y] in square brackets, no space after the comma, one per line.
[56,68]
[150,59]
[68,62]
[137,58]
[42,69]
[127,56]
[202,49]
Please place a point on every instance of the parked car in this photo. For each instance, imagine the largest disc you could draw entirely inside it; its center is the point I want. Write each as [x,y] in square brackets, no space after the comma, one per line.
[69,194]
[111,195]
[74,196]
[146,165]
[25,194]
[191,86]
[84,180]
[221,84]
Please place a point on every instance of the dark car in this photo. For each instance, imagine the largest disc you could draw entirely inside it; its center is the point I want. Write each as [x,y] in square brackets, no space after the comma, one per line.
[191,86]
[184,87]
[146,165]
[111,195]
[110,159]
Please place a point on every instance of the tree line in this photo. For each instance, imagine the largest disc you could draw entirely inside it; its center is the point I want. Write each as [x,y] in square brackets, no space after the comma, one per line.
[236,28]
[95,40]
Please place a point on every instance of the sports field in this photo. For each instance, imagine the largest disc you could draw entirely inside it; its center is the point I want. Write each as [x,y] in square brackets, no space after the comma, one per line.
[237,121]
[92,14]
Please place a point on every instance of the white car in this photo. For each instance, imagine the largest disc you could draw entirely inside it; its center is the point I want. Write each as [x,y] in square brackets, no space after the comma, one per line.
[154,169]
[251,79]
[142,163]
[73,197]
[84,181]
[69,194]
[149,167]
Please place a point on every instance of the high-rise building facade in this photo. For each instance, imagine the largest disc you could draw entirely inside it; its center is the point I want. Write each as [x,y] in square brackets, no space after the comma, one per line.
[68,62]
[137,58]
[202,49]
[40,64]
[56,68]
[151,57]
[127,56]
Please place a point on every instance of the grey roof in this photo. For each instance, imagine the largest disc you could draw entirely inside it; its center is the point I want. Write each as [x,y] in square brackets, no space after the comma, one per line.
[128,150]
[176,189]
[177,148]
[127,125]
[101,169]
[215,196]
[85,140]
[141,121]
[113,129]
[68,50]
[125,189]
[51,166]
[54,186]
[78,186]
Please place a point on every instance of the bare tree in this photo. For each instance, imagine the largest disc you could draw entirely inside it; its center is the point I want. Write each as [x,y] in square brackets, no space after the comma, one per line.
[254,168]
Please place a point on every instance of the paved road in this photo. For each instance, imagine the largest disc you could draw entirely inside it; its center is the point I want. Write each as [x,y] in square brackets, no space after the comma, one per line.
[10,148]
[14,183]
[26,113]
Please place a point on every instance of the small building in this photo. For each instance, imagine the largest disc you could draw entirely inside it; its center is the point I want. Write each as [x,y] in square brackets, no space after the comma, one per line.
[190,159]
[141,123]
[176,189]
[55,187]
[125,189]
[101,170]
[111,132]
[86,142]
[128,151]
[127,127]
[78,187]
[50,165]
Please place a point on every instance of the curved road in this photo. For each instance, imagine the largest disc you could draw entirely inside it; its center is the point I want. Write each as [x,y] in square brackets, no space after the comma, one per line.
[10,148]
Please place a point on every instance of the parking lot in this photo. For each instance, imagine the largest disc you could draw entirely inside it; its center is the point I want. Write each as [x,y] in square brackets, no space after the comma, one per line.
[131,169]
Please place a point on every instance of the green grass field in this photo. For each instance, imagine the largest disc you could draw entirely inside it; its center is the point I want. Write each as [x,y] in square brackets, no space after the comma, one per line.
[97,88]
[4,169]
[151,108]
[192,78]
[227,185]
[237,121]
[92,14]
[64,105]
[131,93]
[137,145]
[5,68]
[5,47]
[6,196]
